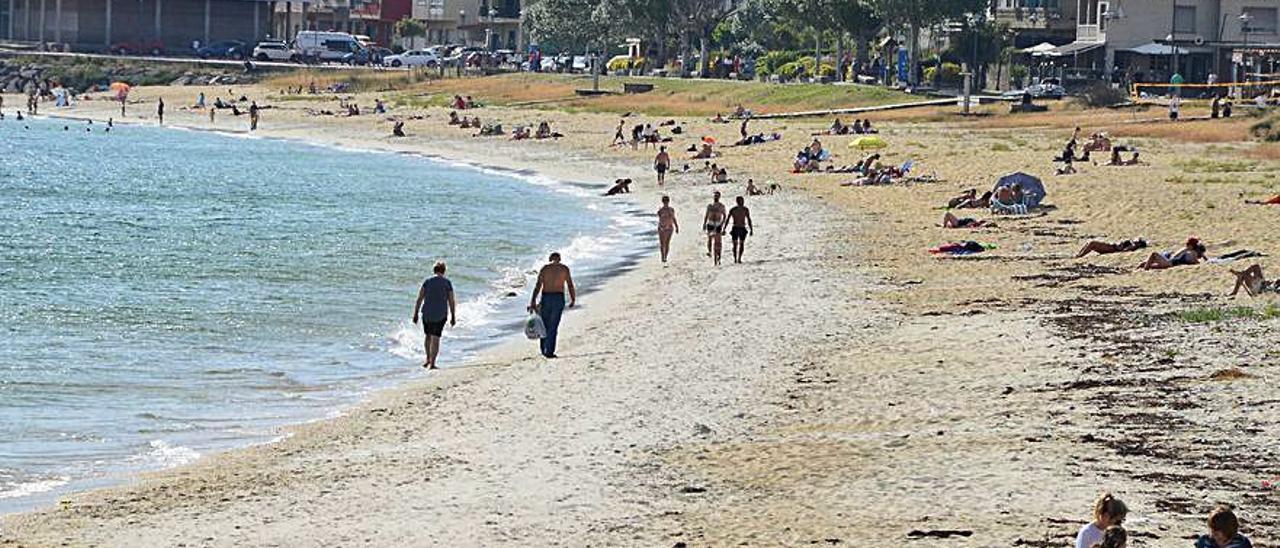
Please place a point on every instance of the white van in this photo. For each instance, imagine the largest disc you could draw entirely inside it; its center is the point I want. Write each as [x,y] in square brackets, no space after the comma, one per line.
[325,46]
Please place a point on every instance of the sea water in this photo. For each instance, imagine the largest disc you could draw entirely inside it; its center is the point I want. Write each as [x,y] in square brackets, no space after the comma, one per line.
[166,293]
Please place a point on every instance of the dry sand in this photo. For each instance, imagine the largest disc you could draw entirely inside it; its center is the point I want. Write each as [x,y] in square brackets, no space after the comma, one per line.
[842,388]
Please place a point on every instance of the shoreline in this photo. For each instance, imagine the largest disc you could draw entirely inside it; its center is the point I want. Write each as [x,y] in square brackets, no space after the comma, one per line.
[628,256]
[843,379]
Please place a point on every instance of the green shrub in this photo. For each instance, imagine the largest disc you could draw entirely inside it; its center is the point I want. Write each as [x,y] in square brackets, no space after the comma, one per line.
[1100,94]
[790,71]
[772,62]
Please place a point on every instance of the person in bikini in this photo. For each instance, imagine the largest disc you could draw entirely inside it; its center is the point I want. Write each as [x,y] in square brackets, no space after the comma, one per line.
[949,220]
[553,280]
[1253,282]
[713,222]
[1106,248]
[1191,254]
[667,226]
[661,164]
[742,227]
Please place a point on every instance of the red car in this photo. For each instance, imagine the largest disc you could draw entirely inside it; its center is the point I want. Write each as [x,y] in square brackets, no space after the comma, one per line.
[152,47]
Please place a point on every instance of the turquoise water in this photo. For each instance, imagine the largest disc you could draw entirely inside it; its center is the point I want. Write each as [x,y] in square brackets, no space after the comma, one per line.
[165,293]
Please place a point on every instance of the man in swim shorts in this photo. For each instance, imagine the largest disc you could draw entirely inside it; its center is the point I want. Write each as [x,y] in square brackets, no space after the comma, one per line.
[742,227]
[662,163]
[714,222]
[437,304]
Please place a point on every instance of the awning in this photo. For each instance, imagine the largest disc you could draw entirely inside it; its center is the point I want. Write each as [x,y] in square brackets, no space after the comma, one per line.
[1039,48]
[1070,49]
[1153,48]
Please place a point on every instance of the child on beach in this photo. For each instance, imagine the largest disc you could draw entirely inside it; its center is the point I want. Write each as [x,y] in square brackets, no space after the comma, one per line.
[1107,511]
[1114,537]
[1224,531]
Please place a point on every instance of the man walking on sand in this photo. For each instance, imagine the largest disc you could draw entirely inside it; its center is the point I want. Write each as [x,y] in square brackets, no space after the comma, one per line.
[667,225]
[553,280]
[742,227]
[437,304]
[160,110]
[713,222]
[662,163]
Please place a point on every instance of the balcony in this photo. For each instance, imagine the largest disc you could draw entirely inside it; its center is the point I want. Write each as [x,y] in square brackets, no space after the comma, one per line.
[1090,33]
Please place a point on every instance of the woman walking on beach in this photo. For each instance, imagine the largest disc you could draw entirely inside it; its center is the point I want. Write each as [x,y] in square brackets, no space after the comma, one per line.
[437,304]
[667,225]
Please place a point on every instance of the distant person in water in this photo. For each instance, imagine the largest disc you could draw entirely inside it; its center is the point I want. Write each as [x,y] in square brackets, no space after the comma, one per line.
[553,281]
[667,226]
[160,110]
[436,304]
[742,227]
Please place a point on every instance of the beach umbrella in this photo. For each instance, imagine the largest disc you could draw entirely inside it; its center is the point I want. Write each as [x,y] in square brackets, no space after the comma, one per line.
[709,140]
[1032,188]
[864,143]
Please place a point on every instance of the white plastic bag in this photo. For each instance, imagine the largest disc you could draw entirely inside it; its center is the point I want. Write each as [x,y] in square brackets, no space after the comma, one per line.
[534,328]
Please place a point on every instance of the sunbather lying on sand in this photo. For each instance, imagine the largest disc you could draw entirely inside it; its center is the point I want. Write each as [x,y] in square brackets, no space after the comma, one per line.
[964,197]
[1192,253]
[1253,282]
[1107,248]
[1274,200]
[949,220]
[1116,161]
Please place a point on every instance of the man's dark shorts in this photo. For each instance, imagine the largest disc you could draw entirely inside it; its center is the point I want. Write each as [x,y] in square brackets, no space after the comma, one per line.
[739,233]
[435,329]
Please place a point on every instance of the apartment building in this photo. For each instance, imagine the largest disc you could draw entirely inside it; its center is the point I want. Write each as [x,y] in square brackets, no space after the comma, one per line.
[497,23]
[98,25]
[1151,40]
[1038,21]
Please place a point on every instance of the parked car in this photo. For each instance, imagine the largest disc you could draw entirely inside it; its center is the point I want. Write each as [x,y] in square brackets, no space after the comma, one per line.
[460,55]
[1039,91]
[325,46]
[412,58]
[153,47]
[360,56]
[225,49]
[272,51]
[380,54]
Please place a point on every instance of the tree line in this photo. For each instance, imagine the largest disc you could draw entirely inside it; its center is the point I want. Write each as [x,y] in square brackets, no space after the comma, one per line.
[676,28]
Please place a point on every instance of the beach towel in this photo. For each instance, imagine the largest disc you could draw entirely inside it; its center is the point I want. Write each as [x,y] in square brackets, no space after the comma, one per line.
[961,248]
[534,329]
[1235,256]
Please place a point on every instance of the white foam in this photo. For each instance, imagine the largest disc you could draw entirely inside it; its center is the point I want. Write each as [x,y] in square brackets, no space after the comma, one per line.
[166,455]
[34,487]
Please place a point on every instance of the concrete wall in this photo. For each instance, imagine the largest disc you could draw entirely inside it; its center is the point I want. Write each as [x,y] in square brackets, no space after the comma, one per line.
[1232,9]
[1146,21]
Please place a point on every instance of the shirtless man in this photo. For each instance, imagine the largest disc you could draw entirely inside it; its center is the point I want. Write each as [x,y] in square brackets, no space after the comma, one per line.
[667,225]
[714,222]
[742,227]
[662,163]
[553,279]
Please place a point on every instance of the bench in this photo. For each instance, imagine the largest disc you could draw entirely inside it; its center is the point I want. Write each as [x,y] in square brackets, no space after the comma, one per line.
[629,88]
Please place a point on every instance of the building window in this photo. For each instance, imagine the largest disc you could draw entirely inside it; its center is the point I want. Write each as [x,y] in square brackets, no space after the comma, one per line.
[1261,20]
[1184,19]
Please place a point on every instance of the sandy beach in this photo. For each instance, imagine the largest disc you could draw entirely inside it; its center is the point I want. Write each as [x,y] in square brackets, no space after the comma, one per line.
[842,387]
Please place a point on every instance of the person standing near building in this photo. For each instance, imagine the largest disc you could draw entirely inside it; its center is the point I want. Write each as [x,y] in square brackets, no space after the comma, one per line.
[553,281]
[437,304]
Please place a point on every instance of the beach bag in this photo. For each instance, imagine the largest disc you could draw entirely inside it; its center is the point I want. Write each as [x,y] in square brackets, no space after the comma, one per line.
[534,328]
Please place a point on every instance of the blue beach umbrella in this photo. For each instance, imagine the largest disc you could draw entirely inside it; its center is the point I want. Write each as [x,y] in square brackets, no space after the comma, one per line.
[1032,188]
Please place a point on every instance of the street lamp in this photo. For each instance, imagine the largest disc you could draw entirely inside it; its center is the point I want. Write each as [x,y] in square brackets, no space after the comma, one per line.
[488,33]
[1245,18]
[462,22]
